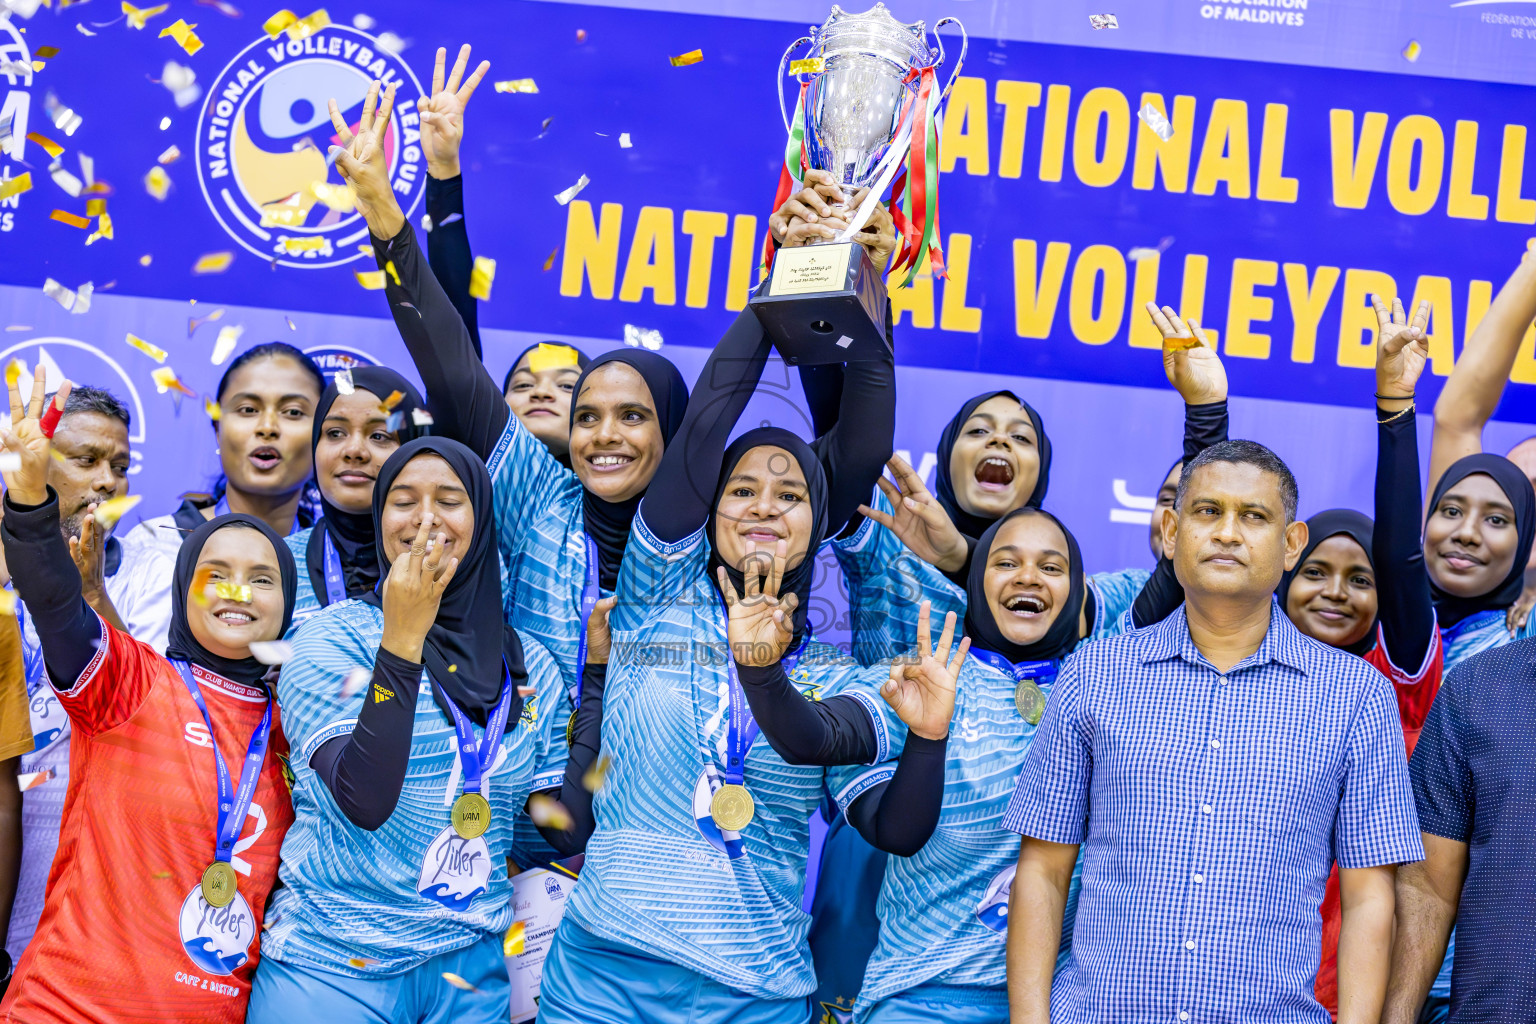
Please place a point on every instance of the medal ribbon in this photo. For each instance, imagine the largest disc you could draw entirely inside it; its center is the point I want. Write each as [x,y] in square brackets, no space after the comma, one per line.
[234,802]
[1040,671]
[477,760]
[590,592]
[743,729]
[335,584]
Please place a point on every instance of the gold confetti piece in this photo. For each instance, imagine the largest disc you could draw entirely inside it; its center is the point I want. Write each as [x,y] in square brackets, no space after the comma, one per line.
[421,418]
[165,379]
[113,509]
[517,85]
[481,277]
[31,780]
[357,680]
[182,33]
[340,198]
[389,268]
[372,280]
[1412,50]
[388,405]
[7,602]
[571,193]
[161,874]
[146,259]
[18,327]
[275,25]
[150,349]
[237,592]
[157,183]
[808,66]
[193,322]
[170,156]
[271,652]
[309,24]
[361,962]
[581,35]
[16,186]
[548,812]
[552,357]
[225,343]
[1154,119]
[526,692]
[103,230]
[309,243]
[46,52]
[458,982]
[137,16]
[291,325]
[13,369]
[281,215]
[642,337]
[212,409]
[199,591]
[512,944]
[95,207]
[550,261]
[53,149]
[343,379]
[74,220]
[213,263]
[592,780]
[684,59]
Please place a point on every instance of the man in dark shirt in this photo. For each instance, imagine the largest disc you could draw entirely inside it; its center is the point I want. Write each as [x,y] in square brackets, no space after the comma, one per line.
[1474,782]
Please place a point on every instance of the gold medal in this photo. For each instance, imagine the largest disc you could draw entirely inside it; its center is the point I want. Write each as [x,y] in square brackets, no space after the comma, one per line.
[219,884]
[570,730]
[471,815]
[1030,700]
[732,807]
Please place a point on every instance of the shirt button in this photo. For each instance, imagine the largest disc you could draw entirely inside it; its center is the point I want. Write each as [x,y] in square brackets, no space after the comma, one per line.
[1221,680]
[1199,879]
[1206,809]
[1183,1015]
[1215,744]
[1189,944]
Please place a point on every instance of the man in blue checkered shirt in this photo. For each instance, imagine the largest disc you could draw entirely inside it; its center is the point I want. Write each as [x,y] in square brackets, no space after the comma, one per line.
[1211,768]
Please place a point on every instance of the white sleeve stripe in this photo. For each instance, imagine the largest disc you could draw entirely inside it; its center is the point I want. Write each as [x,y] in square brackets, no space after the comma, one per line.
[503,445]
[861,537]
[669,551]
[882,734]
[1402,676]
[329,732]
[546,780]
[89,673]
[862,784]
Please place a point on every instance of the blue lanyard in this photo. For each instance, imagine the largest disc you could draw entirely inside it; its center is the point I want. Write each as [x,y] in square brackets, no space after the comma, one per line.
[1042,672]
[590,592]
[477,760]
[742,729]
[335,585]
[234,803]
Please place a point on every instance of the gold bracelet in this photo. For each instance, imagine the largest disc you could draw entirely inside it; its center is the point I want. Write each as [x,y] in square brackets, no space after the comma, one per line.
[1395,416]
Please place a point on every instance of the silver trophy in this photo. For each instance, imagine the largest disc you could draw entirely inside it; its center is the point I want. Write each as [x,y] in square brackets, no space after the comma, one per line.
[826,302]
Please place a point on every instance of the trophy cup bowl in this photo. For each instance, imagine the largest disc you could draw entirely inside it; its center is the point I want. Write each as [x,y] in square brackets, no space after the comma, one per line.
[826,302]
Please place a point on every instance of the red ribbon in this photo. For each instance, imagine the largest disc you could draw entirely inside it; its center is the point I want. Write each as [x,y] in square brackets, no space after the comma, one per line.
[786,187]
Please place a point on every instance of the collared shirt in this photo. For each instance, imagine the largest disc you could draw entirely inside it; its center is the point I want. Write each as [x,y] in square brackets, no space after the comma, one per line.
[1211,807]
[1473,783]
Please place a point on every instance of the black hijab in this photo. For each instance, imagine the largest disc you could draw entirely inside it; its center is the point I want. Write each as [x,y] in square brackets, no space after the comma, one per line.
[1450,609]
[469,641]
[973,526]
[581,361]
[181,644]
[1333,523]
[608,522]
[352,532]
[980,625]
[799,579]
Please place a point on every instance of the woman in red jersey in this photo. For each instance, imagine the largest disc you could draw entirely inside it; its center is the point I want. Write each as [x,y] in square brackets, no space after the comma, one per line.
[177,805]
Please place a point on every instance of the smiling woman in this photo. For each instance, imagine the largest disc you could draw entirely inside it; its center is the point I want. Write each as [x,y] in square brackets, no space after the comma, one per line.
[994,456]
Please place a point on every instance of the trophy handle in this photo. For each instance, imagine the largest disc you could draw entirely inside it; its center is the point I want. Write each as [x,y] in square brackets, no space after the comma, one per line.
[779,82]
[965,44]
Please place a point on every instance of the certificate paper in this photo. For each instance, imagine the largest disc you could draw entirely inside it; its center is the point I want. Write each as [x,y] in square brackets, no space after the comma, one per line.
[538,898]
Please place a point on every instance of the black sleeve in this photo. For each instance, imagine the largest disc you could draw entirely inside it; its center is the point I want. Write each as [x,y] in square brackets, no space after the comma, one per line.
[1404,604]
[826,732]
[900,815]
[678,500]
[465,401]
[855,450]
[365,770]
[586,741]
[1161,595]
[45,576]
[449,253]
[823,387]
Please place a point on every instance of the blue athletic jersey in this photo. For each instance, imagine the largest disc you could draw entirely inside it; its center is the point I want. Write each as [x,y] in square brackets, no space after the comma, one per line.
[944,911]
[364,903]
[887,585]
[305,603]
[659,876]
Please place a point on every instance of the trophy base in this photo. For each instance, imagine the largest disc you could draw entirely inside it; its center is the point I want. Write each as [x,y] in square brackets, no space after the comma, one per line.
[824,304]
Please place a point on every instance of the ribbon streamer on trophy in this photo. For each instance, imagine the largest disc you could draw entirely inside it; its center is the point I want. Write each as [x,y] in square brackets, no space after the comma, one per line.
[868,112]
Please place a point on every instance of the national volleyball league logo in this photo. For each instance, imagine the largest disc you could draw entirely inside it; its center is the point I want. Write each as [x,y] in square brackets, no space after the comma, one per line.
[264,133]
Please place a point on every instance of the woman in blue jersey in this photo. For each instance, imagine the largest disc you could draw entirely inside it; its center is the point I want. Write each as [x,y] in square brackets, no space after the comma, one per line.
[362,417]
[418,725]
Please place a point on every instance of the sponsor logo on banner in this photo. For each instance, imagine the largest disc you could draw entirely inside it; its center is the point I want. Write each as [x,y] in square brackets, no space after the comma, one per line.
[265,130]
[83,364]
[332,359]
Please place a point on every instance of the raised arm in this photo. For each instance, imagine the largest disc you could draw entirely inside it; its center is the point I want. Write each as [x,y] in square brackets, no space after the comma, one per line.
[1472,392]
[577,787]
[465,400]
[442,130]
[1405,606]
[41,568]
[1195,371]
[855,450]
[677,503]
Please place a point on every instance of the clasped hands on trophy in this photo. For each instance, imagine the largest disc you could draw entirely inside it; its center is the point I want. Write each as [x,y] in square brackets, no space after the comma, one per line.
[818,213]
